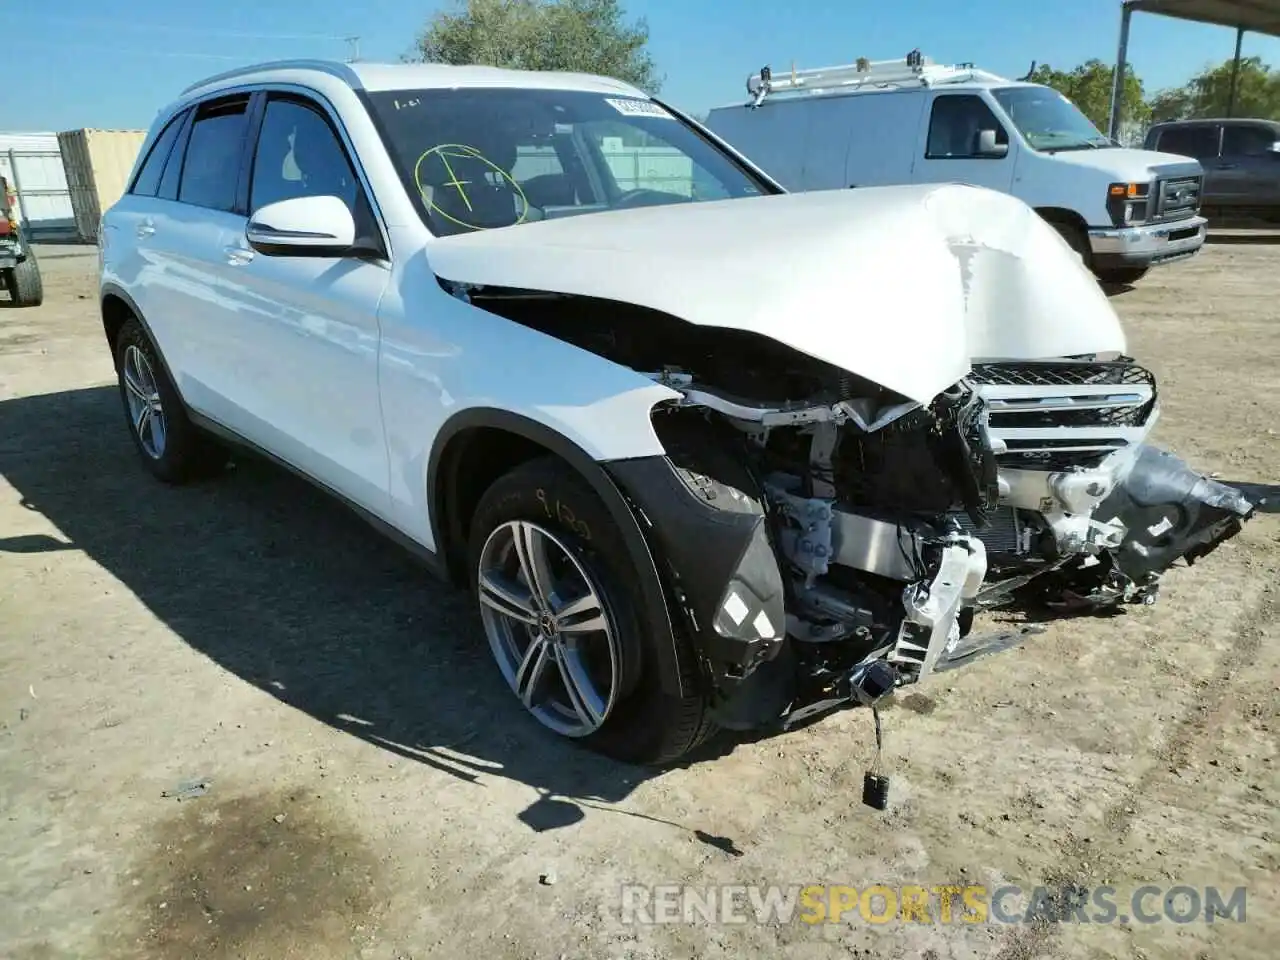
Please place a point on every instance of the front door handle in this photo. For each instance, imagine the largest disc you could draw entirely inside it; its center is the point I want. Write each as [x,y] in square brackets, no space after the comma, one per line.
[237,255]
[1227,166]
[146,228]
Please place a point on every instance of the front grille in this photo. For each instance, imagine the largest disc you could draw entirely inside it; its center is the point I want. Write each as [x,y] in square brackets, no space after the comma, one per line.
[1056,415]
[1178,198]
[1061,373]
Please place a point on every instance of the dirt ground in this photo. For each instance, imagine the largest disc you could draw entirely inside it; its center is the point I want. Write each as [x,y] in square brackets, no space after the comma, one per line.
[373,791]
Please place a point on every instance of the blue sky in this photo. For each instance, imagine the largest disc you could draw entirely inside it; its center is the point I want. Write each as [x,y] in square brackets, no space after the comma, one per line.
[91,63]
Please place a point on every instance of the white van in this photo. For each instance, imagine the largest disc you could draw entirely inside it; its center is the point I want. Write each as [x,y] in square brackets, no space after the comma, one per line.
[913,121]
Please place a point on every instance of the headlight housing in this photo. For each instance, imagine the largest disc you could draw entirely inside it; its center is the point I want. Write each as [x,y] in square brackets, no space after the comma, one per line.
[1129,203]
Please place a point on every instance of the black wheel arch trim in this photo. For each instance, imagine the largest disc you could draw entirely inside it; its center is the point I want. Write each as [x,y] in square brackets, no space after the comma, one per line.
[446,529]
[115,290]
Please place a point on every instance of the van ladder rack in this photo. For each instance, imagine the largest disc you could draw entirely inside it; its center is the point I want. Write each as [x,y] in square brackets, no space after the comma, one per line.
[913,70]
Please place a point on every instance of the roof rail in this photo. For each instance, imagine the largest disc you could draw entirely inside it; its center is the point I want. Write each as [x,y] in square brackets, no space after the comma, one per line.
[340,70]
[913,70]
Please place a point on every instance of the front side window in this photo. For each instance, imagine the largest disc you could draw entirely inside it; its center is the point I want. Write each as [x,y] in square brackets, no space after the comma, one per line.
[1248,140]
[212,165]
[1199,141]
[299,155]
[480,159]
[955,126]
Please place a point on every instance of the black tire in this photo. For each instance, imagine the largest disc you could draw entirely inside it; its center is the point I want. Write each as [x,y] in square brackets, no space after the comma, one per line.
[1122,276]
[645,725]
[24,283]
[187,453]
[1077,239]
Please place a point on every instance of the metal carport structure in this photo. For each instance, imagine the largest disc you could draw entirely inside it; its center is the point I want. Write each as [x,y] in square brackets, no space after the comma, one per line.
[1247,16]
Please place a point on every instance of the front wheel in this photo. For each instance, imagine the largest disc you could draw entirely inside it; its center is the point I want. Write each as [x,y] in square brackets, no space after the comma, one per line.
[556,593]
[1077,239]
[1122,276]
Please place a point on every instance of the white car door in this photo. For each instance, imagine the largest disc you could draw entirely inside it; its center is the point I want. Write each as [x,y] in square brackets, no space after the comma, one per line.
[302,331]
[178,235]
[949,148]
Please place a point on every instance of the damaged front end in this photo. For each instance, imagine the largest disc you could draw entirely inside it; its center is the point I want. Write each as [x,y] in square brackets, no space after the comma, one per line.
[893,524]
[824,538]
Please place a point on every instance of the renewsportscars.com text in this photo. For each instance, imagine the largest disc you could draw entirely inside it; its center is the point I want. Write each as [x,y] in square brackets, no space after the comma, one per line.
[971,904]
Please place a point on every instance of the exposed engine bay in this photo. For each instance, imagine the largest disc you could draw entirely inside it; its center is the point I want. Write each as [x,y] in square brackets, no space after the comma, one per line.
[1026,484]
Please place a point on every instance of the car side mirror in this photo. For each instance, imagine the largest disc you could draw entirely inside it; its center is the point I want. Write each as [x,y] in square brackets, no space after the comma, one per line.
[303,227]
[1274,150]
[987,146]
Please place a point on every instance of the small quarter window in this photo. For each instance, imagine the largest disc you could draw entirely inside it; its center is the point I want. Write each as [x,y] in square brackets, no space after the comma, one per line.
[148,180]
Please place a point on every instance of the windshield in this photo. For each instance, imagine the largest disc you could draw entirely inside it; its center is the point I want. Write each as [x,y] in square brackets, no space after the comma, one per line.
[1048,120]
[480,159]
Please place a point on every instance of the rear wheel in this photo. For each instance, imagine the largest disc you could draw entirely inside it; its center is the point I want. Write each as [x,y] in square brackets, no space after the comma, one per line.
[171,446]
[556,592]
[24,283]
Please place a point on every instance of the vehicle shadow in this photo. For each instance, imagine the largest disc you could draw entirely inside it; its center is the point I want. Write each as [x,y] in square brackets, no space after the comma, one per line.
[282,586]
[1244,235]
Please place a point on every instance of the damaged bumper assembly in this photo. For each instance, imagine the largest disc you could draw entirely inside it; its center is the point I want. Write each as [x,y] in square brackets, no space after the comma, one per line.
[806,544]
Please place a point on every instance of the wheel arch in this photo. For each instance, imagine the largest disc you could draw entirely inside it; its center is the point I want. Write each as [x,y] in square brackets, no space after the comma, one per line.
[118,308]
[477,445]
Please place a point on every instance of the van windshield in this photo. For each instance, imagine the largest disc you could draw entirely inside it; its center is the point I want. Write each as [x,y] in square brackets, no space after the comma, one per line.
[1048,121]
[486,158]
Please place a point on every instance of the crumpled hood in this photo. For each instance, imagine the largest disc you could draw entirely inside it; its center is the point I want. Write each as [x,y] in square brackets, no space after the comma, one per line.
[903,286]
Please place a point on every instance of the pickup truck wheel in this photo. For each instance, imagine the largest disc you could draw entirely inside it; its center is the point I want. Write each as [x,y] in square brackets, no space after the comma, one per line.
[1122,276]
[551,574]
[24,283]
[171,446]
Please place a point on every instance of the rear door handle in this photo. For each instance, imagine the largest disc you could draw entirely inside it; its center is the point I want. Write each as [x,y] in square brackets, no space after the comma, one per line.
[238,255]
[1228,166]
[146,228]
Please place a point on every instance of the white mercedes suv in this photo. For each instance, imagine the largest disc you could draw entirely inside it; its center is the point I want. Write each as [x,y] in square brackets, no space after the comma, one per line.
[707,453]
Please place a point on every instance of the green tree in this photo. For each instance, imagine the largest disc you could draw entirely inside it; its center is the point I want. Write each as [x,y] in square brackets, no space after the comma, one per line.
[1209,94]
[1089,87]
[587,36]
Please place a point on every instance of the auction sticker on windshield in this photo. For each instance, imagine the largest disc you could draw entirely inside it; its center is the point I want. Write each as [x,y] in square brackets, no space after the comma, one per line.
[638,108]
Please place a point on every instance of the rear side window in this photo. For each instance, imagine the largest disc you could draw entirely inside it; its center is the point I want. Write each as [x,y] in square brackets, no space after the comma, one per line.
[1247,140]
[212,165]
[1200,142]
[148,181]
[955,124]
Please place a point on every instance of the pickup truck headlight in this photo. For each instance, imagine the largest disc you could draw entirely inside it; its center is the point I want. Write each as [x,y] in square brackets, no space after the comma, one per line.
[1129,203]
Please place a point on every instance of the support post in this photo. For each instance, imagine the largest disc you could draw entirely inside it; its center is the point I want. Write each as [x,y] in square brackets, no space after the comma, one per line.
[1122,63]
[1235,74]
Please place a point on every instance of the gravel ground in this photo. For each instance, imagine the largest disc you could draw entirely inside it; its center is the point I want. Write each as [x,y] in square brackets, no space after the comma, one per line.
[371,790]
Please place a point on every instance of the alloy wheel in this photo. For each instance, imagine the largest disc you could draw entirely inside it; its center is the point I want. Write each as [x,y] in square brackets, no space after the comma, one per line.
[146,413]
[549,628]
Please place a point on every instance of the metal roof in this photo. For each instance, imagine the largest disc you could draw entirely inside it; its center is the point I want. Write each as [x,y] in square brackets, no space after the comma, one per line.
[1255,16]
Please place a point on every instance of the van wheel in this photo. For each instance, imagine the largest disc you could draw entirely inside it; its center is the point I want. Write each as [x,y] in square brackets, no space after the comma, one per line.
[1122,276]
[555,589]
[24,283]
[171,446]
[1076,239]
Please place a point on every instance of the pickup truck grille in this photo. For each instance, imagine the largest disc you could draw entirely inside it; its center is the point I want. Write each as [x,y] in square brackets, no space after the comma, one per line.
[1178,198]
[1061,414]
